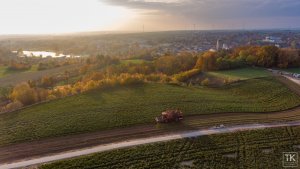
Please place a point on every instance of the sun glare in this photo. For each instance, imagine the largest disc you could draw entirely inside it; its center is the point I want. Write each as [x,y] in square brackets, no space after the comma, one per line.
[60,16]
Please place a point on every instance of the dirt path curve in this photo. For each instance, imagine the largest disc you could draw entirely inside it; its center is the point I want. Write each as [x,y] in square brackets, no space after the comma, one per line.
[137,142]
[45,147]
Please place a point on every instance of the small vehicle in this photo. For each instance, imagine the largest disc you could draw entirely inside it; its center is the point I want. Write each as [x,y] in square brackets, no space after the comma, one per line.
[296,75]
[219,126]
[170,116]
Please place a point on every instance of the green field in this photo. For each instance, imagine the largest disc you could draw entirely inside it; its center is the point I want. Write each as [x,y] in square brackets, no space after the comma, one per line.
[4,71]
[134,105]
[241,74]
[247,149]
[11,78]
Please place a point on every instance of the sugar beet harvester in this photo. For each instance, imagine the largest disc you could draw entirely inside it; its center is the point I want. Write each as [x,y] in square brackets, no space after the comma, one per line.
[169,116]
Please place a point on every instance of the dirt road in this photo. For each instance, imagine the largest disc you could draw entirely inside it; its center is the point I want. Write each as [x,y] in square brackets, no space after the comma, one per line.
[137,142]
[295,80]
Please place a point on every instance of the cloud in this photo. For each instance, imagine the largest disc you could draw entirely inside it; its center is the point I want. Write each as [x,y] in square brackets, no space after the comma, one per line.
[215,11]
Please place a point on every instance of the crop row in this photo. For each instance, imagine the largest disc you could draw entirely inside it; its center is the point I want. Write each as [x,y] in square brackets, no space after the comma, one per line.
[247,149]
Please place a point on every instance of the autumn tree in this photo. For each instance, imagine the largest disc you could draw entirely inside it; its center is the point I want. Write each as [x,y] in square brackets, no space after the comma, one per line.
[24,94]
[207,61]
[288,58]
[13,106]
[47,81]
[268,56]
[174,64]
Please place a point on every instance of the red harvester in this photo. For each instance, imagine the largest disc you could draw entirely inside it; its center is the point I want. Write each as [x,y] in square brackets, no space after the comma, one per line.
[169,116]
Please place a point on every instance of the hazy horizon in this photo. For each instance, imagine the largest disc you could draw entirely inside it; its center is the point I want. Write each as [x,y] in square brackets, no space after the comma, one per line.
[136,32]
[34,17]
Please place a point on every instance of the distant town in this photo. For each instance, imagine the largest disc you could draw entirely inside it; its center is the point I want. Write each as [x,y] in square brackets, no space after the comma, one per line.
[197,41]
[148,44]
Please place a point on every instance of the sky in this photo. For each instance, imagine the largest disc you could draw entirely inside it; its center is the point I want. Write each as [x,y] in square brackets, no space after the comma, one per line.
[69,16]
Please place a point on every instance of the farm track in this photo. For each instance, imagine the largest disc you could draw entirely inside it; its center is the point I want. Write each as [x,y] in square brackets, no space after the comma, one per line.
[29,150]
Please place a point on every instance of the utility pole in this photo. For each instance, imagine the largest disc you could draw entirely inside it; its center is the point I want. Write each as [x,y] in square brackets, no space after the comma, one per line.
[143,28]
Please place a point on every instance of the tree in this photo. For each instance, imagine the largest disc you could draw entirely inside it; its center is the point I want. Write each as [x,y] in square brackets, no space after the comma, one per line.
[67,76]
[167,64]
[84,69]
[294,45]
[207,61]
[288,58]
[42,94]
[252,60]
[174,64]
[47,81]
[24,94]
[20,52]
[268,56]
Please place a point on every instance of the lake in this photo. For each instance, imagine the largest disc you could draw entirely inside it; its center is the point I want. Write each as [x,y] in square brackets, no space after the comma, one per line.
[43,54]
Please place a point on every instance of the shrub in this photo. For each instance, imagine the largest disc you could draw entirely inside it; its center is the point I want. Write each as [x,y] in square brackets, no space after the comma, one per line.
[24,94]
[62,91]
[158,78]
[42,94]
[127,79]
[18,66]
[184,76]
[205,82]
[91,85]
[47,81]
[14,106]
[51,97]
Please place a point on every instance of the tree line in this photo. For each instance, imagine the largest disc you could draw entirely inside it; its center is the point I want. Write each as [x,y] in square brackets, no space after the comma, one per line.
[262,56]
